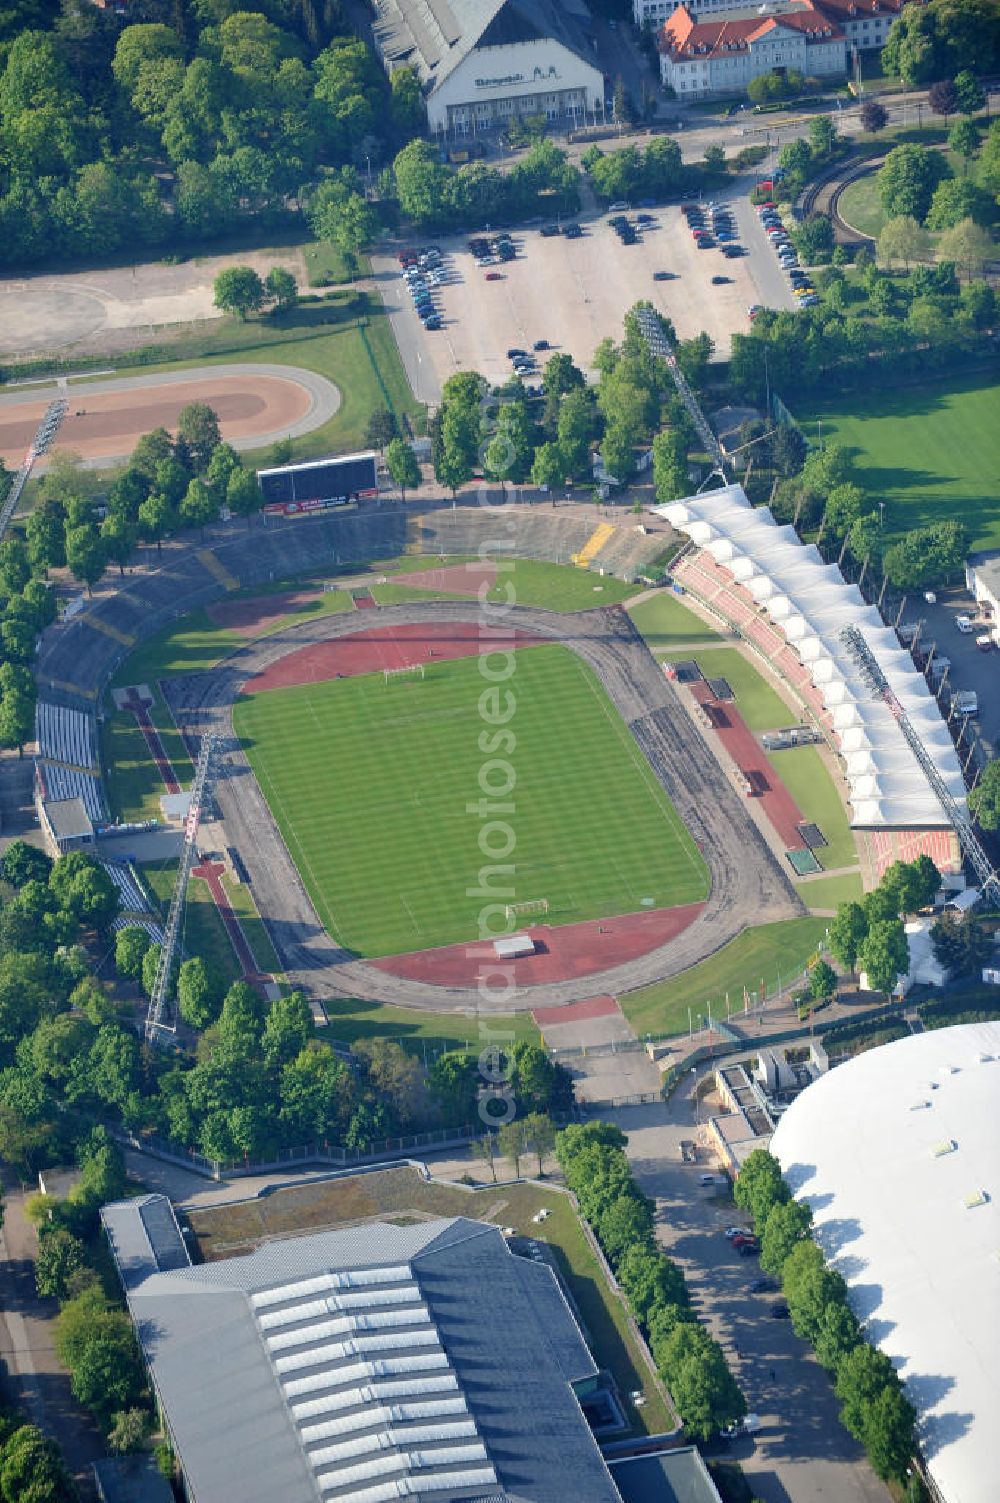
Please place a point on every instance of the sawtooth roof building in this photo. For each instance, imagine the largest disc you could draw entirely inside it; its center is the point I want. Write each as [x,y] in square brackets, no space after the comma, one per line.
[896,1153]
[364,1364]
[483,62]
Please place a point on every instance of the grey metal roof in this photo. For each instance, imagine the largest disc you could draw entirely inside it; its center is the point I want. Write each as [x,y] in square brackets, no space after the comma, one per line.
[369,1363]
[670,1477]
[144,1238]
[131,1479]
[69,818]
[434,36]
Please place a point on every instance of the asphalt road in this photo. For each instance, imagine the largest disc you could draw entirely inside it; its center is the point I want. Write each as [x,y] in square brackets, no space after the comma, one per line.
[802,1454]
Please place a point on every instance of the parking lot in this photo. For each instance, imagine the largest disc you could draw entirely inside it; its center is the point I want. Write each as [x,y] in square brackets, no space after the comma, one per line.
[801,1451]
[970,668]
[574,293]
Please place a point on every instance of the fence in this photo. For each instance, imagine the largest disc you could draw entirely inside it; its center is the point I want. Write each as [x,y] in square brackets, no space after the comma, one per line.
[287,1158]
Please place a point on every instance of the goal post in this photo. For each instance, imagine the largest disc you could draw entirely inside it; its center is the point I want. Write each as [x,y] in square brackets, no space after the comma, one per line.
[411,670]
[530,909]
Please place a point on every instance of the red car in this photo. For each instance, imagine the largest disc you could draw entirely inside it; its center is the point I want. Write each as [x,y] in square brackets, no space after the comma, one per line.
[406,255]
[698,234]
[744,1239]
[762,208]
[494,276]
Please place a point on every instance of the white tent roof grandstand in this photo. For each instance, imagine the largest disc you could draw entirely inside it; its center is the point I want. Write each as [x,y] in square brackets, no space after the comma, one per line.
[896,1152]
[810,602]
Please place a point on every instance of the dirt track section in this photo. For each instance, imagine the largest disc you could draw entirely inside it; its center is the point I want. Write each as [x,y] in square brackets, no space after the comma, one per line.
[379,648]
[248,618]
[106,418]
[748,887]
[454,579]
[562,953]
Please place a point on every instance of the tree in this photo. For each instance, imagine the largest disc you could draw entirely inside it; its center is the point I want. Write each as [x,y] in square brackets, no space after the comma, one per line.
[288,1029]
[847,933]
[874,116]
[626,1222]
[963,139]
[107,1375]
[943,97]
[452,1080]
[786,1225]
[671,479]
[150,966]
[795,158]
[485,1148]
[884,954]
[198,993]
[85,554]
[810,1287]
[838,1334]
[715,159]
[651,1281]
[32,1470]
[705,1392]
[59,1256]
[889,1433]
[198,437]
[970,97]
[239,290]
[901,239]
[128,1431]
[548,468]
[540,1084]
[822,981]
[401,462]
[281,288]
[421,180]
[966,244]
[131,945]
[241,1022]
[984,800]
[156,519]
[822,135]
[540,1137]
[243,496]
[957,200]
[512,1142]
[382,428]
[578,426]
[907,180]
[760,1186]
[22,863]
[198,506]
[118,538]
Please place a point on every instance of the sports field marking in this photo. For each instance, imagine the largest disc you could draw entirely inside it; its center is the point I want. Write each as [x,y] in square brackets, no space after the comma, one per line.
[217,569]
[369,783]
[593,545]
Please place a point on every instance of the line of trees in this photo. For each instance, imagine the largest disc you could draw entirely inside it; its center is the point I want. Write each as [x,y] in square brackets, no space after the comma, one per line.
[874,1408]
[171,482]
[690,1362]
[943,39]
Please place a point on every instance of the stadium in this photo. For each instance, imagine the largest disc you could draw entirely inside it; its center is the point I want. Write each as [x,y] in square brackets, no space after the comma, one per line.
[350,751]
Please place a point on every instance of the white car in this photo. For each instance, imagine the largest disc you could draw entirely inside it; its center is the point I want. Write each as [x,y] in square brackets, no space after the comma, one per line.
[965,624]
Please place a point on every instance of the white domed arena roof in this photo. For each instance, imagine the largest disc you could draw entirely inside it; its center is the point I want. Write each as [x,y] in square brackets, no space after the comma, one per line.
[898,1153]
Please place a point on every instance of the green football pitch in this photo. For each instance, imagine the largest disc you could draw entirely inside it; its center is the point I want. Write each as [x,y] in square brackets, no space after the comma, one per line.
[371,782]
[930,452]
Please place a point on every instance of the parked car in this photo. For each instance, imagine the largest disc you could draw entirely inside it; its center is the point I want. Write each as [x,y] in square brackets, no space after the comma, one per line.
[549,229]
[512,354]
[619,208]
[706,243]
[645,218]
[573,232]
[733,251]
[541,344]
[734,1231]
[720,281]
[753,310]
[964,624]
[494,276]
[762,1286]
[747,1249]
[779,1310]
[663,276]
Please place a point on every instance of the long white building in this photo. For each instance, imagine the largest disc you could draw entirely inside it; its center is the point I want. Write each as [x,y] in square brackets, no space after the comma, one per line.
[483,62]
[809,603]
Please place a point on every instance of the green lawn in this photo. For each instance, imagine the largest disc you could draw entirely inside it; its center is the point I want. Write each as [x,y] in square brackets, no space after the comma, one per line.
[327,265]
[830,892]
[203,932]
[351,1019]
[804,774]
[134,784]
[761,707]
[664,622]
[931,452]
[763,954]
[557,587]
[192,645]
[861,205]
[370,782]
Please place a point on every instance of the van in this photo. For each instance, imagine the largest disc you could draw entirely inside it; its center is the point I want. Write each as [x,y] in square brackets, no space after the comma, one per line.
[966,703]
[964,624]
[706,1179]
[619,208]
[985,642]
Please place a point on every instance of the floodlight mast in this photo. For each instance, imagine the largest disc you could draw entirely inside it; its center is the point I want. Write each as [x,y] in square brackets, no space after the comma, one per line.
[161,1018]
[659,345]
[972,850]
[40,444]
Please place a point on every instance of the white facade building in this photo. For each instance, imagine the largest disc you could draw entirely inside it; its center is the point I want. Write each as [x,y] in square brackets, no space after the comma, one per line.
[896,1153]
[723,56]
[482,62]
[865,23]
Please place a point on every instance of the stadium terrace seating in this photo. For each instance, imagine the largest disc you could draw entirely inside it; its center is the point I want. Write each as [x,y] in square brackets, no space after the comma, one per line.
[888,846]
[628,552]
[137,921]
[65,735]
[538,532]
[130,893]
[69,782]
[799,600]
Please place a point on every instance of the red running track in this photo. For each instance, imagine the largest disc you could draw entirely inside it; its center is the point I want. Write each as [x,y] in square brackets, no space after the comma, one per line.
[211,872]
[741,744]
[564,952]
[577,1012]
[385,647]
[157,750]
